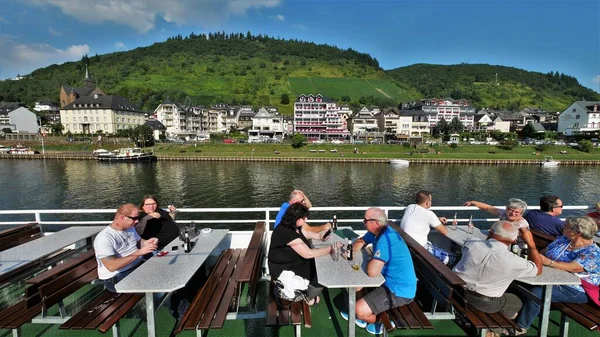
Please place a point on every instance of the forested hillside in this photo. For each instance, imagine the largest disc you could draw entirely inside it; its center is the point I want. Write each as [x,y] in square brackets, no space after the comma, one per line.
[514,89]
[260,70]
[229,68]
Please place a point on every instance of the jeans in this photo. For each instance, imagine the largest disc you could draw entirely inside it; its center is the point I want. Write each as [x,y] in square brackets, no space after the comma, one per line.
[508,304]
[560,293]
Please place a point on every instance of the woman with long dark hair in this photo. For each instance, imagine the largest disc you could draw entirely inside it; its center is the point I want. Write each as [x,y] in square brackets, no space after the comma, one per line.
[290,249]
[156,223]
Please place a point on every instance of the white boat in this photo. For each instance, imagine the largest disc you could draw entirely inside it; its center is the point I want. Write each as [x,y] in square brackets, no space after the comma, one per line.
[125,155]
[20,149]
[399,162]
[549,162]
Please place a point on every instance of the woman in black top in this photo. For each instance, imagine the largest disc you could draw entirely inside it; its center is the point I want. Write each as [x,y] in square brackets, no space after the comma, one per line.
[290,249]
[156,223]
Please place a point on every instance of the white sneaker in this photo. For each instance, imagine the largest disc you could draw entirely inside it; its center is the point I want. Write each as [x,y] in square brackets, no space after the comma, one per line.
[359,322]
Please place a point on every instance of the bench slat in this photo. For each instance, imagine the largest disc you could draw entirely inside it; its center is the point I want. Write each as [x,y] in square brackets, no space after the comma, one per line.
[218,294]
[121,300]
[120,312]
[85,279]
[62,267]
[271,307]
[575,312]
[73,322]
[68,277]
[306,315]
[230,292]
[296,311]
[24,317]
[7,315]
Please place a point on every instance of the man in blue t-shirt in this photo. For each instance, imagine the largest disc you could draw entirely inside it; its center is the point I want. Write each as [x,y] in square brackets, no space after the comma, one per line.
[546,219]
[295,196]
[392,260]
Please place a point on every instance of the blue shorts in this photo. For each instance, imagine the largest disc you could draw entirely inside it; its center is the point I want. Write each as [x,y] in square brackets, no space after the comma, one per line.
[441,254]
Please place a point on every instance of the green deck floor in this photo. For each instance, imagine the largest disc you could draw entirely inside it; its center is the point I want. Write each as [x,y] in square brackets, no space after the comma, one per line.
[326,323]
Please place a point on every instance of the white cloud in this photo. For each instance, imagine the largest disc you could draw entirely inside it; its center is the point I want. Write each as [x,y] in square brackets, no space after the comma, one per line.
[278,17]
[24,58]
[596,79]
[119,45]
[54,32]
[141,15]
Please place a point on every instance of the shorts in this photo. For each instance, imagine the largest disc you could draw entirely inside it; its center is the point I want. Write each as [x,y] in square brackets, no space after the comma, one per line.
[382,299]
[441,254]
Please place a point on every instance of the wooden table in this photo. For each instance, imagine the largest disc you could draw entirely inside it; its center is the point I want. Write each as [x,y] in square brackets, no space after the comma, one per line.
[546,279]
[339,274]
[168,273]
[35,250]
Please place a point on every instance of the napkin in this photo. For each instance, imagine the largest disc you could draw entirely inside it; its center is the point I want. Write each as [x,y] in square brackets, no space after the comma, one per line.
[292,282]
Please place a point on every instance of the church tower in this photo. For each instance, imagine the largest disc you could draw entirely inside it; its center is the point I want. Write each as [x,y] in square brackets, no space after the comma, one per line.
[88,83]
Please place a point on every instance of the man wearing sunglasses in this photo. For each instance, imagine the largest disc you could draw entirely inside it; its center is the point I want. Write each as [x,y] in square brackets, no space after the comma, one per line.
[546,219]
[119,248]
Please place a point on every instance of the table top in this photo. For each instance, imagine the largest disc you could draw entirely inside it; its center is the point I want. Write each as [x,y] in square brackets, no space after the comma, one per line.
[549,275]
[33,250]
[339,274]
[174,270]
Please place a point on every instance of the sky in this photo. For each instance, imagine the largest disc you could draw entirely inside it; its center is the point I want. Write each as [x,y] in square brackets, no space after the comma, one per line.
[534,35]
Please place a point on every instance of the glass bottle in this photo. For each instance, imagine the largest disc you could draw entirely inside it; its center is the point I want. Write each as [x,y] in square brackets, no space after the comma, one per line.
[470,225]
[349,250]
[334,223]
[186,242]
[454,223]
[525,251]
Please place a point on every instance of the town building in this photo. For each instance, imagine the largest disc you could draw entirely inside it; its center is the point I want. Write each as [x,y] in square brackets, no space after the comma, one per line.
[245,114]
[158,129]
[69,94]
[100,114]
[180,121]
[318,118]
[581,117]
[446,108]
[19,120]
[49,109]
[365,121]
[266,125]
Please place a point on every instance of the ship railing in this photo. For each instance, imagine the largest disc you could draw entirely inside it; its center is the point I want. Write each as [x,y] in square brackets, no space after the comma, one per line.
[394,213]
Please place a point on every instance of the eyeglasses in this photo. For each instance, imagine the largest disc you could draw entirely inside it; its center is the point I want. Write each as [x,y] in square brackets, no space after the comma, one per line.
[150,204]
[561,206]
[133,218]
[367,220]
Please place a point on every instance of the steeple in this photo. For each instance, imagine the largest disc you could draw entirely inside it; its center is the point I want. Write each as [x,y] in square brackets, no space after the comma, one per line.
[88,82]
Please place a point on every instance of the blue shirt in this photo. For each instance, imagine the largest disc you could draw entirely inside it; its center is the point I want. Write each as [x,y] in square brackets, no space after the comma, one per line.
[588,257]
[282,210]
[545,222]
[398,269]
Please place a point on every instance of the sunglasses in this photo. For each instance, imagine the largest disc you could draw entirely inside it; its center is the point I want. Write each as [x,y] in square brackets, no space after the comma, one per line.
[367,220]
[134,218]
[561,206]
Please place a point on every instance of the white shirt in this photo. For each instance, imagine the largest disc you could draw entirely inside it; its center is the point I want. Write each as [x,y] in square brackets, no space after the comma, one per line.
[416,222]
[488,267]
[111,242]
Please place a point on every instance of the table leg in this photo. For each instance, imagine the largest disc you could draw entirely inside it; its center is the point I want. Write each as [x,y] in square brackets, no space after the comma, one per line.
[351,311]
[546,303]
[150,314]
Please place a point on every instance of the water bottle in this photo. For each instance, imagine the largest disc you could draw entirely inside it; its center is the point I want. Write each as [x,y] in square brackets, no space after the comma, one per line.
[187,247]
[349,250]
[470,226]
[514,248]
[334,223]
[525,251]
[454,223]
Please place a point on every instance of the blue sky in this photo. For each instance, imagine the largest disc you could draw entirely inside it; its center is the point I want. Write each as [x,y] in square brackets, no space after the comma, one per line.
[534,35]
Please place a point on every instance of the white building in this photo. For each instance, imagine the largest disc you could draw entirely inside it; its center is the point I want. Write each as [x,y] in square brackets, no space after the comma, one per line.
[365,121]
[448,109]
[180,121]
[266,125]
[19,120]
[317,117]
[581,117]
[95,113]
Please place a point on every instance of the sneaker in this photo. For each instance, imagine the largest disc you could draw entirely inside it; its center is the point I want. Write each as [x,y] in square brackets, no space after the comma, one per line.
[359,322]
[517,332]
[377,328]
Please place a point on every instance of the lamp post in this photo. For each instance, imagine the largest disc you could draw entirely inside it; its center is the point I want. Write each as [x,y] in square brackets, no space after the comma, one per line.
[39,119]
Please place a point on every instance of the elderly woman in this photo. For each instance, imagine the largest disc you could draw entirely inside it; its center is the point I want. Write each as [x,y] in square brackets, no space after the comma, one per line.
[515,208]
[155,222]
[290,249]
[574,252]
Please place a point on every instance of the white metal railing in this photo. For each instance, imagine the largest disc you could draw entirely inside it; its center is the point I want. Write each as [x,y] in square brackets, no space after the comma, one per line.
[393,213]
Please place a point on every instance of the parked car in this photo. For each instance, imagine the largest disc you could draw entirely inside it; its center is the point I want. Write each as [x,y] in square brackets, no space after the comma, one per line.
[375,141]
[492,142]
[392,141]
[358,142]
[337,141]
[228,141]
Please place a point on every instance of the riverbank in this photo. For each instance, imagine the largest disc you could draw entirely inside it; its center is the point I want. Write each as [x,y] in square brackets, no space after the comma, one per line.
[368,153]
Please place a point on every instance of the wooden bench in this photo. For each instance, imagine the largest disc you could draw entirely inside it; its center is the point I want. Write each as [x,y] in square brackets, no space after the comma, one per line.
[221,293]
[448,291]
[50,288]
[20,234]
[288,313]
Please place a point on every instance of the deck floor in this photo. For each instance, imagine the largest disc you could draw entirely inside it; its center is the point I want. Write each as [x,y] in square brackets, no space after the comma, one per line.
[326,323]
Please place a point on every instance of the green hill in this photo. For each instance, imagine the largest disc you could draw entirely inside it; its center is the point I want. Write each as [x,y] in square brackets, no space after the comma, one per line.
[258,70]
[229,68]
[515,89]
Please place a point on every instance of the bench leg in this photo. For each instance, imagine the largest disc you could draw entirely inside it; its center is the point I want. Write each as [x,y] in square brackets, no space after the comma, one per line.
[564,326]
[545,317]
[16,332]
[351,312]
[150,314]
[298,330]
[61,309]
[116,329]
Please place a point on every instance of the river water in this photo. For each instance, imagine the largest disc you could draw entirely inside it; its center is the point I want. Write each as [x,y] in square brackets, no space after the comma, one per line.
[52,184]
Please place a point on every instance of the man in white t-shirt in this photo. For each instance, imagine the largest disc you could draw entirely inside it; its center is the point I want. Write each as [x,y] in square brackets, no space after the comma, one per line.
[417,221]
[116,247]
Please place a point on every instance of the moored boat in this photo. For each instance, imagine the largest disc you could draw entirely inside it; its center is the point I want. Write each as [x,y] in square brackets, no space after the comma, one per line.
[549,162]
[399,162]
[126,155]
[20,149]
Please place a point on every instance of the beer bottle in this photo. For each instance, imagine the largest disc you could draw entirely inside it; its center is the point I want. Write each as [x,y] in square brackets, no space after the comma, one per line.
[187,247]
[525,251]
[334,223]
[349,250]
